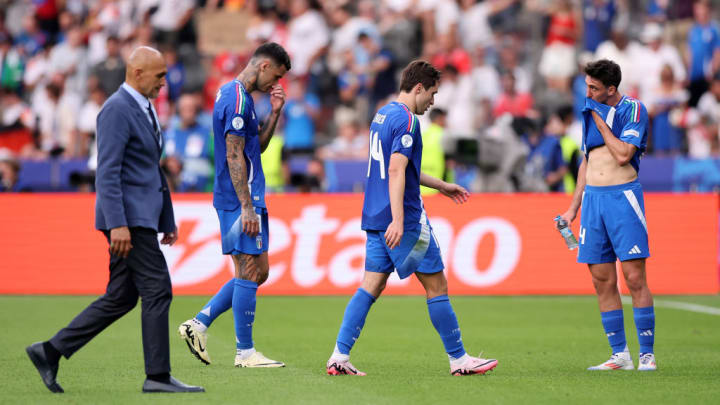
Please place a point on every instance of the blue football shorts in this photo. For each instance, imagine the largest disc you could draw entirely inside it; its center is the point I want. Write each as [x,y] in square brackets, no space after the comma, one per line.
[418,252]
[234,241]
[612,224]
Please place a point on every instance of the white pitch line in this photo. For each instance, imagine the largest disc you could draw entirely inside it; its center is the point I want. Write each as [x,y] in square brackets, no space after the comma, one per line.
[685,306]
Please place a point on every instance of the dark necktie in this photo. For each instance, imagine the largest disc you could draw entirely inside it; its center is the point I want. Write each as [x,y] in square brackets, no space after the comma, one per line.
[156,133]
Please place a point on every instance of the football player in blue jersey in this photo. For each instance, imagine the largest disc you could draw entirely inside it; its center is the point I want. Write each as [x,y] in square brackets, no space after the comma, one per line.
[239,198]
[399,235]
[613,224]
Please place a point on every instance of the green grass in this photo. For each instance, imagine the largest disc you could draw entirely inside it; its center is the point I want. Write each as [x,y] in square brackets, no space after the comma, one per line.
[543,344]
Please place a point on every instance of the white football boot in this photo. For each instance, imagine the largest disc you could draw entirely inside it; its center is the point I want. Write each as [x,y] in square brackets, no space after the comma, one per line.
[257,360]
[341,367]
[196,340]
[472,365]
[618,361]
[647,362]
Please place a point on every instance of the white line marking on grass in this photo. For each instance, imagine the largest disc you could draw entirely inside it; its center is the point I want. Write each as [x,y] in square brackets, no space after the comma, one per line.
[685,306]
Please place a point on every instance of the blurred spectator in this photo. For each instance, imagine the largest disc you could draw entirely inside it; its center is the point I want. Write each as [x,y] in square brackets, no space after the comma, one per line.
[703,55]
[433,155]
[545,168]
[381,71]
[510,62]
[502,157]
[448,52]
[274,165]
[175,74]
[709,104]
[486,87]
[37,70]
[11,64]
[14,113]
[110,73]
[557,64]
[655,56]
[474,27]
[349,143]
[511,101]
[308,36]
[172,21]
[353,86]
[400,32]
[57,111]
[560,126]
[86,124]
[346,34]
[625,52]
[190,143]
[598,17]
[31,39]
[300,112]
[666,96]
[9,171]
[70,60]
[455,95]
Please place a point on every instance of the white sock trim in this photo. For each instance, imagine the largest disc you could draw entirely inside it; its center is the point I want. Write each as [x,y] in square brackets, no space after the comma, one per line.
[336,355]
[245,353]
[199,325]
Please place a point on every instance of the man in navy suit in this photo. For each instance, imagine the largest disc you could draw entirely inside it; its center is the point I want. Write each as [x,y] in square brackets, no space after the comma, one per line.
[133,205]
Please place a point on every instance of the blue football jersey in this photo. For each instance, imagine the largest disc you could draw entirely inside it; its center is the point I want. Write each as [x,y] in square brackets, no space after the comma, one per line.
[234,113]
[393,130]
[628,121]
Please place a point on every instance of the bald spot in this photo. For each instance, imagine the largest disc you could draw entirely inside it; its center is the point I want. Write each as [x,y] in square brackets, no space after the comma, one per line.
[143,58]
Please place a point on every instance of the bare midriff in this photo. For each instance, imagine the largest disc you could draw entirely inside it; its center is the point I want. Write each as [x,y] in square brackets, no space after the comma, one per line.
[604,170]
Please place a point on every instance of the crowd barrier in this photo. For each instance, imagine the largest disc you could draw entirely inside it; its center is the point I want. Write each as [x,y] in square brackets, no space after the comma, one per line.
[494,244]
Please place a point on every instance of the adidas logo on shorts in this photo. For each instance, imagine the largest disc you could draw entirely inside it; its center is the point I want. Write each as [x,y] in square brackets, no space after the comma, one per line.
[634,251]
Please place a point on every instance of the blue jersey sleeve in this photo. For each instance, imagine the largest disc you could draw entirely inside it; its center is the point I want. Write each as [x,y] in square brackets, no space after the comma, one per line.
[236,116]
[634,131]
[405,136]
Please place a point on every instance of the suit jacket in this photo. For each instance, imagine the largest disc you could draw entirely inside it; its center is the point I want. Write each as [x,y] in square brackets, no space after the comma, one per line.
[131,188]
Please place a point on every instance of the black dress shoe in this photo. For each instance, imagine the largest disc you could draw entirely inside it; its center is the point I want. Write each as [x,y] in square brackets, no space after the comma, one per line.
[172,386]
[47,371]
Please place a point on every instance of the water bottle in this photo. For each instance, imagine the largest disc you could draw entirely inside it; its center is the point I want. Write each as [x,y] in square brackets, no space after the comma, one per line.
[566,232]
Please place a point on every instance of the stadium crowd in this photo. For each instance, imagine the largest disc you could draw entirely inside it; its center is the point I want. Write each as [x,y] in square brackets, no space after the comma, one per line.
[505,117]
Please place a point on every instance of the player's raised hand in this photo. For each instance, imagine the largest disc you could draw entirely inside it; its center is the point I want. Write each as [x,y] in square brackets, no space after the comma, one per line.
[393,234]
[250,222]
[455,192]
[277,98]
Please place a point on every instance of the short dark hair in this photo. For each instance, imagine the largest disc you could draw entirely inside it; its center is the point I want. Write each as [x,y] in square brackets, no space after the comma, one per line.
[419,71]
[436,113]
[275,52]
[607,71]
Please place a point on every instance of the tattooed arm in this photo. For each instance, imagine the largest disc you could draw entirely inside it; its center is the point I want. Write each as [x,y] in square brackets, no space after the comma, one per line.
[238,174]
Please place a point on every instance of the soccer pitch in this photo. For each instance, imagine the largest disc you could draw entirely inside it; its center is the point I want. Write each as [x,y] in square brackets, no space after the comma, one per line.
[543,344]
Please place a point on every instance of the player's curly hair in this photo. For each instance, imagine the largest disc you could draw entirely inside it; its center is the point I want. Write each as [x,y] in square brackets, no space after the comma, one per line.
[419,71]
[275,52]
[607,71]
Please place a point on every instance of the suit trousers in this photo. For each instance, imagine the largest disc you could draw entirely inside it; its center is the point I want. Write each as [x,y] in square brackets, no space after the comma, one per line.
[144,273]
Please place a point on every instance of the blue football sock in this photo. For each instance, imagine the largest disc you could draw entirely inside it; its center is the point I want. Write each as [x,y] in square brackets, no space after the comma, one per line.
[645,324]
[354,320]
[243,306]
[218,304]
[445,322]
[614,329]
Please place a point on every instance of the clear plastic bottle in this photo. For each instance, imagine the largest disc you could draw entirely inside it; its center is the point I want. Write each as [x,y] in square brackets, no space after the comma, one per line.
[566,232]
